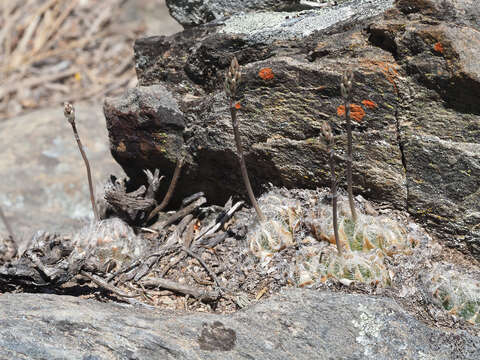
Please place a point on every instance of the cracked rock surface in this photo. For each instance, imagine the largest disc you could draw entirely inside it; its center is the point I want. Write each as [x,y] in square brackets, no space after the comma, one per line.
[418,120]
[299,324]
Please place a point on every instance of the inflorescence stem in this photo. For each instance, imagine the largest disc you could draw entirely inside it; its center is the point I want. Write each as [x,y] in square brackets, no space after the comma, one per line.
[69,112]
[346,90]
[232,79]
[7,226]
[330,142]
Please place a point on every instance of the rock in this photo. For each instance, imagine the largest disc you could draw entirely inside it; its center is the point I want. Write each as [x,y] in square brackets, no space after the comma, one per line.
[44,183]
[415,71]
[153,15]
[305,324]
[153,112]
[268,27]
[196,12]
[439,113]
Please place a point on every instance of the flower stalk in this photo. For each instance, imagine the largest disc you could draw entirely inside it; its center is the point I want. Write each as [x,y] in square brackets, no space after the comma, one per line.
[7,226]
[232,80]
[69,112]
[330,143]
[346,90]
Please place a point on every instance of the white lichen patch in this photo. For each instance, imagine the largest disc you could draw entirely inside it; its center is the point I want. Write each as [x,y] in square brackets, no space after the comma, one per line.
[369,330]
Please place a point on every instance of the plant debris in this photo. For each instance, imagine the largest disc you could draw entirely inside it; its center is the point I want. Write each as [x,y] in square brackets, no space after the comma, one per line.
[53,51]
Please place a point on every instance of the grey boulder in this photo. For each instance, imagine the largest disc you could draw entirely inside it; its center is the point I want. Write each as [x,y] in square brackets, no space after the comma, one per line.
[300,324]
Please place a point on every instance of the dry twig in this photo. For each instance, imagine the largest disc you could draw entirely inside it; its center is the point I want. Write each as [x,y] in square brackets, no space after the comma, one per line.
[204,296]
[171,188]
[102,283]
[50,48]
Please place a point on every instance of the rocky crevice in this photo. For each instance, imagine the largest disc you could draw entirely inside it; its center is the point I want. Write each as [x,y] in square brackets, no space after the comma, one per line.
[385,40]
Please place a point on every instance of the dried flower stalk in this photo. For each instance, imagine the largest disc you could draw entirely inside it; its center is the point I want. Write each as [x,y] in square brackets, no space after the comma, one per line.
[69,112]
[346,90]
[330,142]
[7,226]
[232,80]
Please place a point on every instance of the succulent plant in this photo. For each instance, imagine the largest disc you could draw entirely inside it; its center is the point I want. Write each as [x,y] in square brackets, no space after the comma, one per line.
[366,234]
[455,291]
[366,243]
[329,139]
[69,113]
[233,77]
[278,232]
[110,242]
[365,267]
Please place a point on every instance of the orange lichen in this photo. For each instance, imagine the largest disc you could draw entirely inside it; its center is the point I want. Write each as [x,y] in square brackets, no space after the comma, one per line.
[237,106]
[389,70]
[438,47]
[266,74]
[356,112]
[369,104]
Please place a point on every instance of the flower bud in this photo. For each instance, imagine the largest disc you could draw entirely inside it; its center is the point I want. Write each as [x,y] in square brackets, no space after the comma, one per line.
[232,78]
[346,84]
[69,112]
[327,132]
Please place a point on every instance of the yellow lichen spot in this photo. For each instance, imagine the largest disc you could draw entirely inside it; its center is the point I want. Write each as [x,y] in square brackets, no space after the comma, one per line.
[160,149]
[78,76]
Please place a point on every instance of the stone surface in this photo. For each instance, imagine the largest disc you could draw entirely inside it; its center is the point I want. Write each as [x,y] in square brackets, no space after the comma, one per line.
[196,12]
[44,183]
[416,76]
[301,324]
[154,15]
[267,27]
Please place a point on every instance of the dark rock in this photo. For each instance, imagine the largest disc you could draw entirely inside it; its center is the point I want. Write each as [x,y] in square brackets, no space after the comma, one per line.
[304,324]
[145,113]
[416,78]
